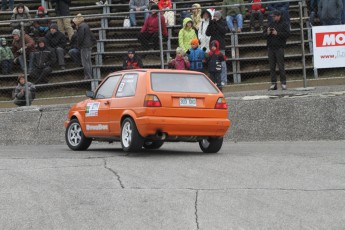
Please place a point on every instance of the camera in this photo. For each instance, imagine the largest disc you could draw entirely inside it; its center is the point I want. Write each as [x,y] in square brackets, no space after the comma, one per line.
[271,29]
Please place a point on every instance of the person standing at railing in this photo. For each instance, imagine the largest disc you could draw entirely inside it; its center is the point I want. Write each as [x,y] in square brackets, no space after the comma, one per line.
[4,5]
[168,15]
[276,34]
[214,58]
[62,9]
[19,92]
[330,12]
[233,12]
[207,16]
[196,56]
[21,12]
[138,6]
[186,34]
[283,7]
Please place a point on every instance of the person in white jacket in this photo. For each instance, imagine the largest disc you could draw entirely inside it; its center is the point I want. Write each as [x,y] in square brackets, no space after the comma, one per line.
[207,15]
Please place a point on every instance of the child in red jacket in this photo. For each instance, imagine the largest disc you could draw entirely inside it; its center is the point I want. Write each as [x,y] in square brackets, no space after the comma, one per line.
[256,12]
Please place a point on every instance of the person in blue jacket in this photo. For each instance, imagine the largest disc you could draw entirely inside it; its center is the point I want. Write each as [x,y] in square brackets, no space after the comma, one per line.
[196,56]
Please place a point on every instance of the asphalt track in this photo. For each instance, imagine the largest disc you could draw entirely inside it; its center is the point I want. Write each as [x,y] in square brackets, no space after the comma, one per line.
[257,185]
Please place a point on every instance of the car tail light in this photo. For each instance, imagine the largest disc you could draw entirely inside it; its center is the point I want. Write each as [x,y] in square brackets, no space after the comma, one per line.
[152,101]
[221,103]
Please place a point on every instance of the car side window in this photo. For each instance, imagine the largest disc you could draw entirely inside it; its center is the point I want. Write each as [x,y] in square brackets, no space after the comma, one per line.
[127,86]
[107,88]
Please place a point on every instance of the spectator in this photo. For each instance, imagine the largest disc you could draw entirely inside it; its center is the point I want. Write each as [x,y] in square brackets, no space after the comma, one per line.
[4,5]
[6,57]
[132,61]
[204,39]
[196,16]
[40,27]
[313,10]
[283,7]
[74,52]
[233,12]
[138,6]
[57,41]
[21,12]
[153,2]
[19,92]
[330,12]
[168,15]
[149,33]
[196,56]
[217,30]
[62,9]
[43,60]
[276,34]
[185,13]
[186,34]
[85,41]
[214,59]
[18,50]
[256,12]
[180,62]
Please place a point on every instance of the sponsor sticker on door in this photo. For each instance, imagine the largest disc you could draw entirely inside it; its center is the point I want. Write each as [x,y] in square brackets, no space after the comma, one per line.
[92,109]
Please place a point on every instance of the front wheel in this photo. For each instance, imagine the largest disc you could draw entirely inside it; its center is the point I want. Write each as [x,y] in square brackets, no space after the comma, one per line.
[153,144]
[75,138]
[131,141]
[211,145]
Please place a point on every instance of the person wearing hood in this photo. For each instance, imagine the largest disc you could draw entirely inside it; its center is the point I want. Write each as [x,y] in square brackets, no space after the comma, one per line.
[196,16]
[57,41]
[4,5]
[217,30]
[180,62]
[6,57]
[207,15]
[132,61]
[43,60]
[196,56]
[186,34]
[330,12]
[234,12]
[18,50]
[62,9]
[214,58]
[21,12]
[85,41]
[40,27]
[19,92]
[149,32]
[168,15]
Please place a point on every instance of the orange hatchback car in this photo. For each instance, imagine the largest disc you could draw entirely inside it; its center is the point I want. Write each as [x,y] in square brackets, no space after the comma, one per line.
[147,107]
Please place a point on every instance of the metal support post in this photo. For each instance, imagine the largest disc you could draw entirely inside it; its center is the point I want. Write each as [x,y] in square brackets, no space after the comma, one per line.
[160,39]
[22,35]
[302,45]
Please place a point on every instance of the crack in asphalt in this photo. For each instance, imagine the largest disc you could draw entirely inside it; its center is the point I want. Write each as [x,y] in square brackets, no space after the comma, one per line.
[115,173]
[196,210]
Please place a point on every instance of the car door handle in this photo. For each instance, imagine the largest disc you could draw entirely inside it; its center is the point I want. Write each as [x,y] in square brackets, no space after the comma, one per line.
[106,103]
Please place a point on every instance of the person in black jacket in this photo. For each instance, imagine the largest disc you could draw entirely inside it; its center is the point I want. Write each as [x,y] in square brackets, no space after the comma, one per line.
[132,61]
[57,42]
[217,30]
[214,58]
[43,59]
[62,9]
[276,34]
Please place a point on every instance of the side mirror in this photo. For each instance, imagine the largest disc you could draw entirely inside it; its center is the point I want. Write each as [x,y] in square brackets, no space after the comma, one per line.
[90,94]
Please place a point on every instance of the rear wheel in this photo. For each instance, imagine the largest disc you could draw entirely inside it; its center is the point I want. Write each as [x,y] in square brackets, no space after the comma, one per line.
[211,145]
[131,140]
[75,138]
[153,144]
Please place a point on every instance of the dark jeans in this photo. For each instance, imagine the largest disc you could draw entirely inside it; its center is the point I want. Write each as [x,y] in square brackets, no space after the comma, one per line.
[6,66]
[146,38]
[216,78]
[75,55]
[60,56]
[276,57]
[39,75]
[22,101]
[330,22]
[4,4]
[256,15]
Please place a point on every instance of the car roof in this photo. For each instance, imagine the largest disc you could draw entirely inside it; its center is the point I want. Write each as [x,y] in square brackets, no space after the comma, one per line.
[156,70]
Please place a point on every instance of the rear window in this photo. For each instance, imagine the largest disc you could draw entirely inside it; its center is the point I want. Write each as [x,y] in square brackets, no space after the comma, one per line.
[177,82]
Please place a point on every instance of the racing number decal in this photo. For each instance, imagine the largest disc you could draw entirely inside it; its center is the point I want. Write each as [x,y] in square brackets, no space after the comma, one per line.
[92,109]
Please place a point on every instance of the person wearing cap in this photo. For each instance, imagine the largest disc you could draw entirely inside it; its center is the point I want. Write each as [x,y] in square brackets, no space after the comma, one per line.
[57,42]
[217,29]
[207,16]
[186,34]
[196,56]
[18,50]
[330,12]
[132,61]
[276,34]
[40,27]
[283,7]
[19,92]
[85,41]
[6,57]
[138,6]
[233,12]
[43,60]
[21,12]
[62,9]
[149,33]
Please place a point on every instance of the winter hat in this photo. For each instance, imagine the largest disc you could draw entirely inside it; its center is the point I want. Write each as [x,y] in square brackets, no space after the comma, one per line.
[154,7]
[276,13]
[16,32]
[41,8]
[195,42]
[131,51]
[179,50]
[20,77]
[41,40]
[54,26]
[217,14]
[78,19]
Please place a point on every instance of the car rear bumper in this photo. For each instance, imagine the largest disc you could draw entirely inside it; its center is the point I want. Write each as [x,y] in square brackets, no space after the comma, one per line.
[174,126]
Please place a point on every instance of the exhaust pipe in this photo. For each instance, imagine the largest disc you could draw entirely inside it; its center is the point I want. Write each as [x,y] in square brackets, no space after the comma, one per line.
[160,135]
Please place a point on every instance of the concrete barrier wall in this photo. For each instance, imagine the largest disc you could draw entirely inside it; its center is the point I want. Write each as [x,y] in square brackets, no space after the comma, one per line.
[282,119]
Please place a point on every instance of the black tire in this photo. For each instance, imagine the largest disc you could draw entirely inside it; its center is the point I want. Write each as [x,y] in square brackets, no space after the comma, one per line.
[75,137]
[211,145]
[153,144]
[131,141]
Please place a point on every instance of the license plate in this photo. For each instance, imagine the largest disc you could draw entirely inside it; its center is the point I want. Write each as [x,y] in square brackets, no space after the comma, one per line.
[187,101]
